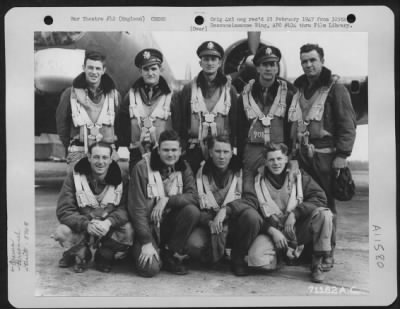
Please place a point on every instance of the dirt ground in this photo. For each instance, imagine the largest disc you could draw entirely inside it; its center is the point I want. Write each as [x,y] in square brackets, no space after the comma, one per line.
[350,275]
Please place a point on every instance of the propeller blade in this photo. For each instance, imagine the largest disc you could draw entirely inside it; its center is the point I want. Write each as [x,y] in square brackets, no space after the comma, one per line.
[253,38]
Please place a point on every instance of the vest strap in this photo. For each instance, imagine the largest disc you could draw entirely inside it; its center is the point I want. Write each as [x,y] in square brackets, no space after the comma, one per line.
[199,107]
[85,196]
[267,204]
[253,111]
[296,194]
[80,117]
[207,199]
[278,107]
[155,187]
[301,133]
[146,122]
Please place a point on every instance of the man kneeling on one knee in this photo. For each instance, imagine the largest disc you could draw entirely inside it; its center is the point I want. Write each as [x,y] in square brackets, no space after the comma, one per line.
[162,203]
[219,181]
[92,211]
[292,214]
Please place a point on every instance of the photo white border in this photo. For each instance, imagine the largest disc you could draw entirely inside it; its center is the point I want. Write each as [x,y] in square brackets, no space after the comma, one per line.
[21,23]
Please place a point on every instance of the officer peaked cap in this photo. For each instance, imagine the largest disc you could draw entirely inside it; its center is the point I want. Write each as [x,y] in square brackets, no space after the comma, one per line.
[148,57]
[210,48]
[267,53]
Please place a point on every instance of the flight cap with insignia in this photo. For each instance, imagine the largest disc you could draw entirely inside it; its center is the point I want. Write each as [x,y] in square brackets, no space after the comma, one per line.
[148,56]
[210,48]
[267,53]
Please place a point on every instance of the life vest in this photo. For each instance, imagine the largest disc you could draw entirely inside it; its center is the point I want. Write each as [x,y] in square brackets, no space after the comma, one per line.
[204,121]
[86,198]
[157,188]
[267,205]
[146,121]
[309,125]
[207,199]
[93,130]
[262,133]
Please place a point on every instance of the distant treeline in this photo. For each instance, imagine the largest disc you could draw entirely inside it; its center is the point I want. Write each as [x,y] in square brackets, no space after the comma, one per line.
[359,165]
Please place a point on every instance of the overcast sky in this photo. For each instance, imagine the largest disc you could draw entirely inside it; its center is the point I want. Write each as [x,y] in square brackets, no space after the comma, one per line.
[346,54]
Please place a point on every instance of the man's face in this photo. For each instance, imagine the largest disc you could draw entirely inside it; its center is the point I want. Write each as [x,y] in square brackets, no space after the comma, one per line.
[94,70]
[311,63]
[100,160]
[210,64]
[151,74]
[170,152]
[276,162]
[221,155]
[268,70]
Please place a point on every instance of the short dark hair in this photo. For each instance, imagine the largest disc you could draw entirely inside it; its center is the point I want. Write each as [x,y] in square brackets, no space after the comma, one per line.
[100,144]
[94,55]
[306,48]
[169,135]
[270,147]
[222,138]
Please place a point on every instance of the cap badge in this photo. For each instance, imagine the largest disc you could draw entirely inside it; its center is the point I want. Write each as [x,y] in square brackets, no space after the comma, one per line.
[268,51]
[210,45]
[146,55]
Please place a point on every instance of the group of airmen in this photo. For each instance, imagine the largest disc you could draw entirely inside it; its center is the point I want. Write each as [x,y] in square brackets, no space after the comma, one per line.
[213,175]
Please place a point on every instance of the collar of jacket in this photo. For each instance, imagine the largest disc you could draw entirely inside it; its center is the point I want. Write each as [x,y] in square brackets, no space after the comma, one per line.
[106,82]
[113,176]
[219,80]
[162,85]
[323,80]
[234,165]
[157,165]
[276,181]
[258,89]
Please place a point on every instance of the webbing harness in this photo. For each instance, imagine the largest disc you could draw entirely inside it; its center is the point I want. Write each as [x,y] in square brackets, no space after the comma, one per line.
[155,187]
[80,117]
[85,196]
[207,199]
[267,205]
[253,111]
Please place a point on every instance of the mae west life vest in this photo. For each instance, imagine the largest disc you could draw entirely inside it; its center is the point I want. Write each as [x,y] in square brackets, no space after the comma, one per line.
[156,188]
[207,199]
[86,198]
[93,130]
[309,125]
[262,133]
[267,205]
[145,121]
[204,121]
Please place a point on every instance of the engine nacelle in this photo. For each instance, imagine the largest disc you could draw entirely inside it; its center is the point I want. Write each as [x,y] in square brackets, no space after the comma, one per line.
[55,68]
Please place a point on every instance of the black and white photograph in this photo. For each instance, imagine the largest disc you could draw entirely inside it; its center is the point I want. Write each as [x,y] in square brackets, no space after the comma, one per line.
[202,167]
